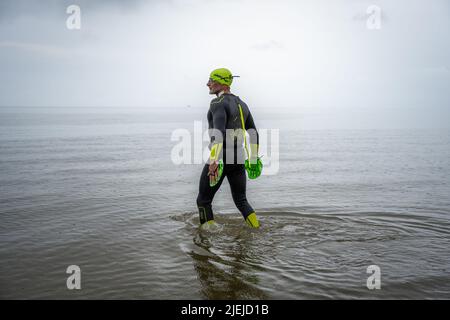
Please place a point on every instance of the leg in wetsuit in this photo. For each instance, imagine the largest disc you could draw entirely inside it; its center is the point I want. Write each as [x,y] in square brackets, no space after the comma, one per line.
[236,176]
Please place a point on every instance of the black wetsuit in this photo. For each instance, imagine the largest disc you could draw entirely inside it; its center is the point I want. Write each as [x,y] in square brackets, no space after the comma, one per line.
[224,114]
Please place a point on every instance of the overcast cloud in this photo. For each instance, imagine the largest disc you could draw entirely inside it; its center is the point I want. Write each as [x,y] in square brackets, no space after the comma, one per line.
[290,54]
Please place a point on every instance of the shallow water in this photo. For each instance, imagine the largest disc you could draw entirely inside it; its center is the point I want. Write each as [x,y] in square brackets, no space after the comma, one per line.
[100,191]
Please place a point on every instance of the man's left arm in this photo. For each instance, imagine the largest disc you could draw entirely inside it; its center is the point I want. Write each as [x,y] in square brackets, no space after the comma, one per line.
[254,137]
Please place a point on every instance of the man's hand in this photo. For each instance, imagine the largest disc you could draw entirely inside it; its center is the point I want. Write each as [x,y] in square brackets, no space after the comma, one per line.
[213,173]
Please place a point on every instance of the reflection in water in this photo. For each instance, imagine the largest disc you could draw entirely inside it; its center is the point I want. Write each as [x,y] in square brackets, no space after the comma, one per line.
[228,277]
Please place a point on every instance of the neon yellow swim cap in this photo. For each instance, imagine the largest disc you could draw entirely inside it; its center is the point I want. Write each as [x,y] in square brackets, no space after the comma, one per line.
[222,76]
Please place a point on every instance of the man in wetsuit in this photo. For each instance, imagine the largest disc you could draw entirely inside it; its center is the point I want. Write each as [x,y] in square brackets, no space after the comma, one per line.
[228,115]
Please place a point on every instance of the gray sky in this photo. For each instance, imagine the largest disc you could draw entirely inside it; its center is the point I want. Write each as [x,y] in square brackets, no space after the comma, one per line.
[293,54]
